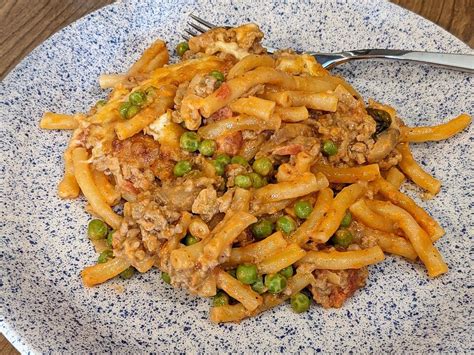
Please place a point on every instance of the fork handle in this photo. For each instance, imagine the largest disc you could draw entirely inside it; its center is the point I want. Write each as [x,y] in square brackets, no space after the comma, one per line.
[462,62]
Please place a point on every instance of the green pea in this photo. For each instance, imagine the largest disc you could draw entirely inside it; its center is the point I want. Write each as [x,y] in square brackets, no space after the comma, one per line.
[287,272]
[220,299]
[303,209]
[110,238]
[275,283]
[189,141]
[243,181]
[232,272]
[137,98]
[286,225]
[97,229]
[100,103]
[124,109]
[218,75]
[257,180]
[258,286]
[219,167]
[150,91]
[346,220]
[239,160]
[181,48]
[247,274]
[223,159]
[190,240]
[342,237]
[207,147]
[105,256]
[166,277]
[132,111]
[300,302]
[329,148]
[182,168]
[127,273]
[262,229]
[263,166]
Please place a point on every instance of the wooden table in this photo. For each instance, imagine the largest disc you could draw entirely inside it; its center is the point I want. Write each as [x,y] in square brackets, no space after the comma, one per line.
[24,24]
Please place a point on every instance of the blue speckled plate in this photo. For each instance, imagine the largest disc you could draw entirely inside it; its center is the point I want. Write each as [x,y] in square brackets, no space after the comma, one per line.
[43,247]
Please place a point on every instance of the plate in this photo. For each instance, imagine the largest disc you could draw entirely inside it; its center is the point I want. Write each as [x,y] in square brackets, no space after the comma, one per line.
[45,308]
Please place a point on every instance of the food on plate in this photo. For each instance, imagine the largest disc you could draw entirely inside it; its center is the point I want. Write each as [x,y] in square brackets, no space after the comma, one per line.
[247,177]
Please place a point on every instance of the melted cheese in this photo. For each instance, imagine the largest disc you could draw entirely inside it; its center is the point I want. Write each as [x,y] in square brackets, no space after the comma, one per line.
[165,131]
[229,48]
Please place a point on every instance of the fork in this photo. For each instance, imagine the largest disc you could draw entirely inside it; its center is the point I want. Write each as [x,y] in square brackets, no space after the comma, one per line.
[461,62]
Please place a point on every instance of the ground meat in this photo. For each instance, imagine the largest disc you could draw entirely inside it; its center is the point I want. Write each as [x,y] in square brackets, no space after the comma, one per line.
[237,41]
[286,133]
[205,86]
[244,238]
[332,288]
[220,114]
[132,162]
[298,144]
[180,194]
[390,160]
[230,143]
[145,227]
[206,204]
[351,128]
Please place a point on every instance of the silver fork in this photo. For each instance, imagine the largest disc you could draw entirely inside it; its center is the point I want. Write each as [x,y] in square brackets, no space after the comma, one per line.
[461,62]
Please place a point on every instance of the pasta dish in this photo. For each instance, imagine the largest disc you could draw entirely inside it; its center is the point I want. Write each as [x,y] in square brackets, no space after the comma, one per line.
[248,177]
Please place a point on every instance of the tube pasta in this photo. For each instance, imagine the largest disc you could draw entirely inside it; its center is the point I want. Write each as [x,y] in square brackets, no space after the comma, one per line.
[85,180]
[411,168]
[199,228]
[365,215]
[238,123]
[106,189]
[242,293]
[234,88]
[305,184]
[398,198]
[321,207]
[436,133]
[333,217]
[224,237]
[316,101]
[254,106]
[68,187]
[97,274]
[342,260]
[395,177]
[155,56]
[420,241]
[107,81]
[248,63]
[241,200]
[52,120]
[394,244]
[348,175]
[256,252]
[281,98]
[292,114]
[281,259]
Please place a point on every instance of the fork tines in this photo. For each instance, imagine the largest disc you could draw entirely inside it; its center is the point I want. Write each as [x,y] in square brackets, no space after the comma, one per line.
[205,26]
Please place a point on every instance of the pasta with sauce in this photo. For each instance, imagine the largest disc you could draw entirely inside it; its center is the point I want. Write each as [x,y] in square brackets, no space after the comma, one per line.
[247,177]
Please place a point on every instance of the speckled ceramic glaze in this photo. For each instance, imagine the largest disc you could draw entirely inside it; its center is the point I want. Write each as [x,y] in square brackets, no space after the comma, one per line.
[43,245]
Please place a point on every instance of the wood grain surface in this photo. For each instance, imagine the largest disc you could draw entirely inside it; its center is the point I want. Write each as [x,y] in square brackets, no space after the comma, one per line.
[24,24]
